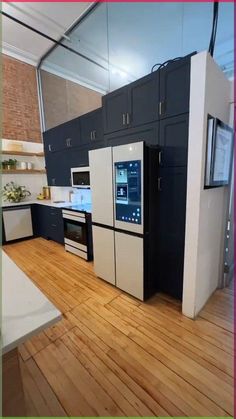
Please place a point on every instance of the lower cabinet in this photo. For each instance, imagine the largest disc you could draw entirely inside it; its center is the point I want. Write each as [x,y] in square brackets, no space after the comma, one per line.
[48,222]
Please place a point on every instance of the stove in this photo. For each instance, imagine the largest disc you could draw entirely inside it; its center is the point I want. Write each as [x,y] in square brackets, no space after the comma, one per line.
[78,230]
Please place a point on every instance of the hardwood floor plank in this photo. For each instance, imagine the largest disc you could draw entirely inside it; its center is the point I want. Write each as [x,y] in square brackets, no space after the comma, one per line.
[103,376]
[113,355]
[166,377]
[100,349]
[40,395]
[154,331]
[176,361]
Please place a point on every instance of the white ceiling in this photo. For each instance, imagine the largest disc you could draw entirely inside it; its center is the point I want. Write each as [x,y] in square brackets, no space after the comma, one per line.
[51,18]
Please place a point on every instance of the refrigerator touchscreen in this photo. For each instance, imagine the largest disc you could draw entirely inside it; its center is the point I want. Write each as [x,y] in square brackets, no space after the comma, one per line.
[128,191]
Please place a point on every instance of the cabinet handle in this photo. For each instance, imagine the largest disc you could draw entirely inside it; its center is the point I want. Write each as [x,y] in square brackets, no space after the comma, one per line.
[159,184]
[49,147]
[53,180]
[91,135]
[161,108]
[123,119]
[160,158]
[94,134]
[54,225]
[68,142]
[127,118]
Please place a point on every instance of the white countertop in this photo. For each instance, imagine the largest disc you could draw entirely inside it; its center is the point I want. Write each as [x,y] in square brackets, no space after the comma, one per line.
[25,309]
[47,202]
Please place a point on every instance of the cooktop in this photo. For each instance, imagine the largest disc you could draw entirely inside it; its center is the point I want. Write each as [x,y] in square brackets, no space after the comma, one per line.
[79,207]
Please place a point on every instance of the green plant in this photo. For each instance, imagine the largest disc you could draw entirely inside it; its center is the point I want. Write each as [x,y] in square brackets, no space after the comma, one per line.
[14,193]
[10,162]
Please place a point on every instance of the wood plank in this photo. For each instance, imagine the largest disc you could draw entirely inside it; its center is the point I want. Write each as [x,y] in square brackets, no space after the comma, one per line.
[109,382]
[152,329]
[96,399]
[41,398]
[132,358]
[154,400]
[175,360]
[167,379]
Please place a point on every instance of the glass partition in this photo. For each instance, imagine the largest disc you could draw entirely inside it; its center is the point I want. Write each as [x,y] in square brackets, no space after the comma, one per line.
[117,43]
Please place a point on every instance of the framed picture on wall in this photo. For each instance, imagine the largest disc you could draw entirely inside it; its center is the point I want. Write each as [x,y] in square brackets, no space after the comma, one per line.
[219,153]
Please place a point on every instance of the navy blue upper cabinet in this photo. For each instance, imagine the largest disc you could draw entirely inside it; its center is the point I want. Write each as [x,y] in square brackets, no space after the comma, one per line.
[175,88]
[91,126]
[56,168]
[63,136]
[144,100]
[132,105]
[115,110]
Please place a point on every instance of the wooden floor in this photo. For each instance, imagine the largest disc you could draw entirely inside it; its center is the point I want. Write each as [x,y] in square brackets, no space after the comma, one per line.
[112,355]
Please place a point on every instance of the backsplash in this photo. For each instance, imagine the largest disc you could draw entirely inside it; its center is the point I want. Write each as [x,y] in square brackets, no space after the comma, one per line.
[73,194]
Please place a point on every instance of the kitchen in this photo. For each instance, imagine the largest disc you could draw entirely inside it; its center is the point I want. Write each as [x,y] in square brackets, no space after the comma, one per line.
[104,236]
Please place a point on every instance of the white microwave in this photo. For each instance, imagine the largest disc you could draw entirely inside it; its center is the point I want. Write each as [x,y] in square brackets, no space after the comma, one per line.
[80,177]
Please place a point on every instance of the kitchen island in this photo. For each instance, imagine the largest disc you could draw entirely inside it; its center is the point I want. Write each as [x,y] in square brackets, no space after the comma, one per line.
[25,312]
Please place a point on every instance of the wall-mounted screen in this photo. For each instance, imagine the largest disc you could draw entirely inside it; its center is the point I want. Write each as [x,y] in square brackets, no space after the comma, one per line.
[128,191]
[219,153]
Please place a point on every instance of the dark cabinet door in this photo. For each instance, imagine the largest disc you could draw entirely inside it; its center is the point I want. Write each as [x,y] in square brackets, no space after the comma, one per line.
[48,222]
[171,229]
[56,167]
[41,222]
[175,88]
[148,133]
[56,225]
[115,110]
[174,141]
[70,133]
[91,128]
[63,136]
[53,140]
[144,100]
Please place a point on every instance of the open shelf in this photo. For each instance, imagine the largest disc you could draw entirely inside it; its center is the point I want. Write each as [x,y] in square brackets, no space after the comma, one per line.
[19,171]
[22,153]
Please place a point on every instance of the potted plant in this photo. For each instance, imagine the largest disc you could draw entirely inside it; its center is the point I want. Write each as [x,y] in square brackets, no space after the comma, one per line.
[9,164]
[14,193]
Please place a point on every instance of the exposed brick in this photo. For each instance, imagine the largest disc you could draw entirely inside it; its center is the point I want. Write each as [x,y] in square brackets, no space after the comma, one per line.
[20,101]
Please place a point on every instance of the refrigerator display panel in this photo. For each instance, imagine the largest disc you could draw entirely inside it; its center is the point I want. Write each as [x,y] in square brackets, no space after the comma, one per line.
[128,191]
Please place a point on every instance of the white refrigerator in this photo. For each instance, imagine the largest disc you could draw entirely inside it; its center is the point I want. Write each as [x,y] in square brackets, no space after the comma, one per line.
[117,188]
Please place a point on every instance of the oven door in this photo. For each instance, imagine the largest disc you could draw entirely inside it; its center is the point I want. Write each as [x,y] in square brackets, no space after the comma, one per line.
[75,233]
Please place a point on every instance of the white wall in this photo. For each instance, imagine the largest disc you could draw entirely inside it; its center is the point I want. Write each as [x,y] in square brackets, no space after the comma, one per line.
[206,209]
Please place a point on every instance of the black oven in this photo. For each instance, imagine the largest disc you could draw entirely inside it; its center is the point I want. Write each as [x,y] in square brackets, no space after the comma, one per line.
[77,233]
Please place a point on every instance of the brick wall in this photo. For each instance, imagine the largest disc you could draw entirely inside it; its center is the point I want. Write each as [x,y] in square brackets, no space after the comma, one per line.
[20,101]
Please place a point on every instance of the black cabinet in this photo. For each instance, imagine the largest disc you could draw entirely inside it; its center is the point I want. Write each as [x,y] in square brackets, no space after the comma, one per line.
[144,100]
[175,88]
[174,141]
[148,133]
[62,137]
[115,110]
[171,229]
[91,125]
[56,168]
[133,105]
[48,222]
[161,94]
